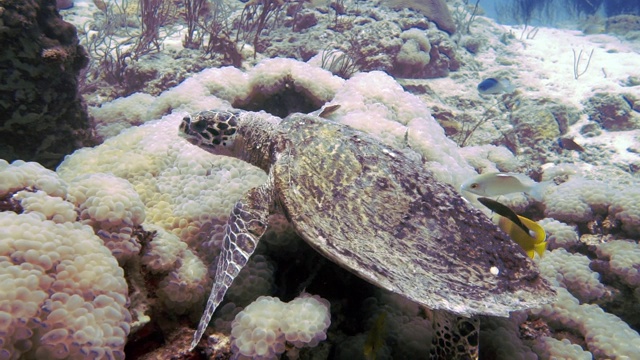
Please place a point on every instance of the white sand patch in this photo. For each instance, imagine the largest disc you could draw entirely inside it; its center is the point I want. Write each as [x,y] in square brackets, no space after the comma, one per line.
[547,64]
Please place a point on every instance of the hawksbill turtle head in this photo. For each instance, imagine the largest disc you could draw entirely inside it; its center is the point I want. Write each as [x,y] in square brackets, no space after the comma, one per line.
[251,137]
[214,131]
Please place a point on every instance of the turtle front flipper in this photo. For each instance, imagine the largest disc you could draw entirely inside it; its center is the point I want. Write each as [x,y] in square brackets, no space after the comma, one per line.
[247,222]
[456,337]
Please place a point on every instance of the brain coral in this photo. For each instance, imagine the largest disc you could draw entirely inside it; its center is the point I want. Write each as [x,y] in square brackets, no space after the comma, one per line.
[577,200]
[112,208]
[183,189]
[559,234]
[52,207]
[606,336]
[22,175]
[63,295]
[626,208]
[373,102]
[261,329]
[624,260]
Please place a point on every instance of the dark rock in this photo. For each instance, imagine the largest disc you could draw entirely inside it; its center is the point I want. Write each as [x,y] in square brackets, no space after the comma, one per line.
[377,45]
[564,115]
[632,80]
[590,129]
[64,4]
[305,20]
[443,56]
[42,116]
[622,24]
[435,10]
[410,19]
[534,124]
[473,44]
[447,119]
[613,111]
[416,87]
[633,101]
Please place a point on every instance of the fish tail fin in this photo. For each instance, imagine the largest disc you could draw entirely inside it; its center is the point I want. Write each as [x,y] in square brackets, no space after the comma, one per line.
[507,86]
[540,248]
[538,190]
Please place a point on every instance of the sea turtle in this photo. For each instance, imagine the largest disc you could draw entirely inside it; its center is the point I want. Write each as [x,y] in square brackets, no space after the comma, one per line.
[372,210]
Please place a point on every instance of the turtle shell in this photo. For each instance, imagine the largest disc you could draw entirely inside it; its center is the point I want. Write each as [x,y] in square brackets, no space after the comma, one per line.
[383,216]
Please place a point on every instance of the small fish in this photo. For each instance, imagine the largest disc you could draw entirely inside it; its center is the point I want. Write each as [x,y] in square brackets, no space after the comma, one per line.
[525,232]
[328,110]
[100,4]
[495,86]
[497,183]
[570,144]
[375,338]
[594,29]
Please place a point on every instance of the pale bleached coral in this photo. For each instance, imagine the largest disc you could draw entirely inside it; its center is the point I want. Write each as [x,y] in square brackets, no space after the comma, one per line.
[572,272]
[414,53]
[373,102]
[190,95]
[53,208]
[163,251]
[262,328]
[550,348]
[185,286]
[64,295]
[577,200]
[183,188]
[591,191]
[218,89]
[112,208]
[606,335]
[626,209]
[489,158]
[30,175]
[624,260]
[272,76]
[122,113]
[559,234]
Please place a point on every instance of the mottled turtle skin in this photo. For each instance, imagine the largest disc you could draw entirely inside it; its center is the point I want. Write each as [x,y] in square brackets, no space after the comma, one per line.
[372,210]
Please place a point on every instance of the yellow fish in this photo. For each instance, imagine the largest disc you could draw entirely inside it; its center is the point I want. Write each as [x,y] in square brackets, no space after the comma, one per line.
[375,338]
[526,232]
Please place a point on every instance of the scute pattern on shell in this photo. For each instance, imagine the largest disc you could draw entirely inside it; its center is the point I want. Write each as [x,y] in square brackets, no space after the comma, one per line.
[381,215]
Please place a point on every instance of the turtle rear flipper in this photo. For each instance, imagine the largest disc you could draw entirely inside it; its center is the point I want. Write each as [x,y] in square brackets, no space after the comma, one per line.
[246,225]
[456,336]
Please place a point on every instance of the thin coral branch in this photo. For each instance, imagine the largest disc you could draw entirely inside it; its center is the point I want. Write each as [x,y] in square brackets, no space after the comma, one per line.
[576,63]
[256,17]
[192,12]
